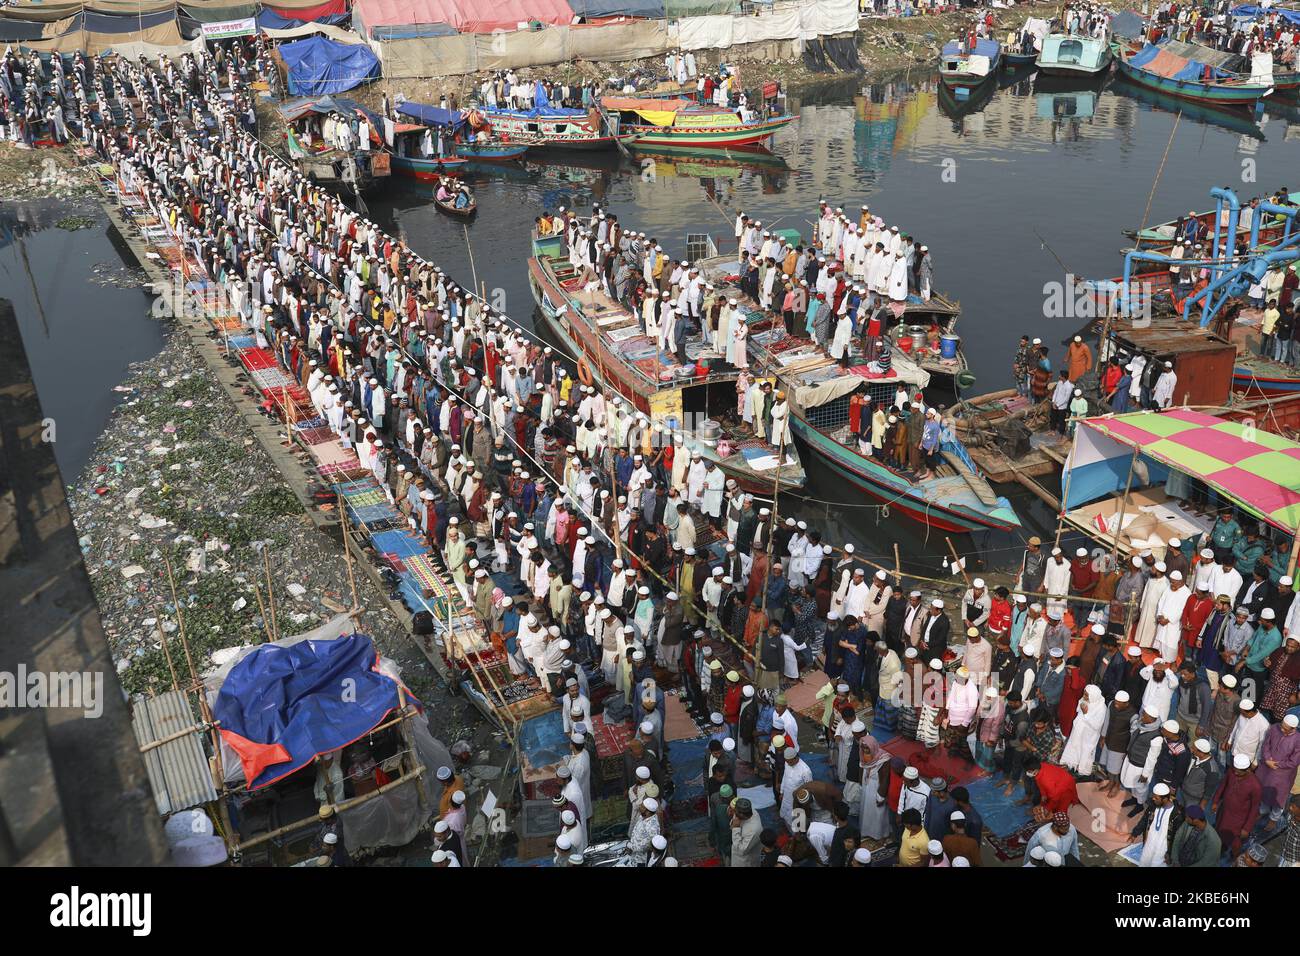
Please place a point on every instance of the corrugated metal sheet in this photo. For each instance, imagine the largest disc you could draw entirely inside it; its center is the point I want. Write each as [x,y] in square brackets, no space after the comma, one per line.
[178,770]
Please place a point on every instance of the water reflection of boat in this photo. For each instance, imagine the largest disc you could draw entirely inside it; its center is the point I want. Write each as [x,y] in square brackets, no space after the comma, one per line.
[1237,121]
[1076,104]
[728,164]
[1045,83]
[957,107]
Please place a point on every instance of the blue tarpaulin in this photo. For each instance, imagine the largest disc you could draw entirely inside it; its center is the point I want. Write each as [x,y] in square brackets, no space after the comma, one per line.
[988,48]
[1251,10]
[280,706]
[318,65]
[431,115]
[268,19]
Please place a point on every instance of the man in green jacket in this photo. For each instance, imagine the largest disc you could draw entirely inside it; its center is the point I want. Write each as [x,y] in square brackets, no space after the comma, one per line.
[1196,843]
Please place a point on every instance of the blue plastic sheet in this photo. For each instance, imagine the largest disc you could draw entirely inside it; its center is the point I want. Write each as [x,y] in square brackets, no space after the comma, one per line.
[318,65]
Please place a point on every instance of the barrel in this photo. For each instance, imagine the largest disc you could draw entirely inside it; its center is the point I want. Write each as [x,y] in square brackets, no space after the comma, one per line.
[709,430]
[948,346]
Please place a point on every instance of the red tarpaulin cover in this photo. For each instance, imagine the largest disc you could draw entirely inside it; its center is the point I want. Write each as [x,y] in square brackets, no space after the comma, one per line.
[466,16]
[330,8]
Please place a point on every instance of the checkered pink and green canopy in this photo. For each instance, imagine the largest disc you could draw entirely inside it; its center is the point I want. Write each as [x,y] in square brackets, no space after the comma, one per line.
[1258,470]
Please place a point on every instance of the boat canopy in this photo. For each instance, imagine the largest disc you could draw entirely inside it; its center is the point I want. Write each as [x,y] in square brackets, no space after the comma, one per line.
[432,115]
[1256,470]
[1251,10]
[1162,61]
[983,47]
[657,112]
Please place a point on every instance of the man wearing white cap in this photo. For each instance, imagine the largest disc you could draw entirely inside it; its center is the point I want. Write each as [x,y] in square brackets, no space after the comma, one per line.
[1056,579]
[571,828]
[579,764]
[1236,805]
[794,777]
[1169,616]
[645,827]
[1247,736]
[1155,589]
[1156,828]
[1159,691]
[1144,746]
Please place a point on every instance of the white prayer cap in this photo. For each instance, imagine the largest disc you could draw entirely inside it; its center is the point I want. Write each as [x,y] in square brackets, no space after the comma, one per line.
[439,856]
[936,664]
[1207,554]
[1291,720]
[911,773]
[959,860]
[1098,630]
[578,740]
[1020,599]
[858,727]
[1247,704]
[937,603]
[1241,762]
[647,727]
[1170,726]
[1037,853]
[458,797]
[1175,575]
[1081,553]
[1285,580]
[1228,680]
[957,815]
[1267,614]
[748,690]
[1203,745]
[1150,711]
[1137,562]
[569,818]
[935,848]
[910,653]
[882,576]
[1053,858]
[643,773]
[1161,567]
[862,855]
[638,656]
[1055,552]
[650,805]
[331,838]
[841,688]
[1175,542]
[977,583]
[848,549]
[564,841]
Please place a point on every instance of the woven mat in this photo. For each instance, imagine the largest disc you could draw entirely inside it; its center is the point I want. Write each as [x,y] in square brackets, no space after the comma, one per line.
[611,739]
[1012,846]
[257,359]
[314,436]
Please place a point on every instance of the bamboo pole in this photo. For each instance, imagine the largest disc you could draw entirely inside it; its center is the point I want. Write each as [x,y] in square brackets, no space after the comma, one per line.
[346,524]
[180,618]
[957,561]
[270,593]
[162,636]
[1065,492]
[261,607]
[1123,505]
[154,745]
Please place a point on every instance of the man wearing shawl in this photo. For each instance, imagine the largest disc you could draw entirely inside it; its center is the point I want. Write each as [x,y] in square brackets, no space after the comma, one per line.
[1278,759]
[1085,731]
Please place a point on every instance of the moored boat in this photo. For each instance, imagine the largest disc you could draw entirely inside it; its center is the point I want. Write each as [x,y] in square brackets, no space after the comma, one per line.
[1190,72]
[552,127]
[312,137]
[968,68]
[430,169]
[1073,55]
[683,125]
[492,151]
[688,399]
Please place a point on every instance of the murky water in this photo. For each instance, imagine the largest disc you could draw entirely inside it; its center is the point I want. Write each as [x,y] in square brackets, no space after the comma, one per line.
[1009,192]
[83,317]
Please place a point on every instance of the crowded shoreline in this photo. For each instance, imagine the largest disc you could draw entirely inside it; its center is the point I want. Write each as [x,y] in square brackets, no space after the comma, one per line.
[589,549]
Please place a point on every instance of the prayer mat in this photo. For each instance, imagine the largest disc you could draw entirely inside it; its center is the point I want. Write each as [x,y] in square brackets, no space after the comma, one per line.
[316,435]
[241,342]
[1012,846]
[1001,814]
[609,813]
[802,695]
[694,849]
[884,721]
[689,809]
[611,739]
[257,359]
[269,380]
[678,724]
[399,544]
[306,424]
[935,763]
[1101,819]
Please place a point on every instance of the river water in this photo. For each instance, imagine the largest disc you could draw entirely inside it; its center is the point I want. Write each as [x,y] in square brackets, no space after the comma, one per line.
[1009,192]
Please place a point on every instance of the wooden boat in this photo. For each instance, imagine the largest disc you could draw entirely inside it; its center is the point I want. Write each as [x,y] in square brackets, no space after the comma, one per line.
[613,354]
[357,170]
[1183,70]
[824,401]
[1018,61]
[969,69]
[1160,237]
[492,151]
[555,128]
[683,125]
[926,332]
[428,170]
[451,209]
[1067,54]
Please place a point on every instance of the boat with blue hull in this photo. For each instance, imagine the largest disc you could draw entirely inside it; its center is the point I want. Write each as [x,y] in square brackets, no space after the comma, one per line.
[1184,71]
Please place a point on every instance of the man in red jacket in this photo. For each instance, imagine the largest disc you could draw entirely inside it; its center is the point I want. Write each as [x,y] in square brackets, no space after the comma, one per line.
[1055,786]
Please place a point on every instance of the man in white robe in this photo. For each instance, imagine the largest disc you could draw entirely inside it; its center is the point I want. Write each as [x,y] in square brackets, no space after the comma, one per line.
[796,775]
[1169,616]
[1056,579]
[1159,828]
[1155,589]
[1090,718]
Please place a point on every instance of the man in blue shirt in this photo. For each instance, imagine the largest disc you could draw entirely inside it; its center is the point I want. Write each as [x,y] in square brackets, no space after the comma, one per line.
[930,444]
[1224,535]
[974,822]
[1248,551]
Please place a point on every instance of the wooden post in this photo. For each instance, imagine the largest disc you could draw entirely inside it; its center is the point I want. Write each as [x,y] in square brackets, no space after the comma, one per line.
[162,636]
[261,607]
[180,619]
[898,566]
